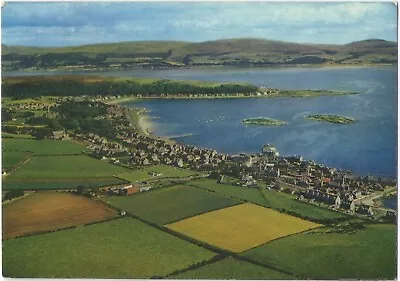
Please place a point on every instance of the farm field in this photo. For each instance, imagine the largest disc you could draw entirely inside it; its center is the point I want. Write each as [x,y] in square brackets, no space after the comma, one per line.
[170,204]
[230,268]
[60,184]
[272,199]
[12,159]
[121,248]
[64,167]
[241,227]
[242,193]
[42,147]
[165,171]
[46,211]
[367,254]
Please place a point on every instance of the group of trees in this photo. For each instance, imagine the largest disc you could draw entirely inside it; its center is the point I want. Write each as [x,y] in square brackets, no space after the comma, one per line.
[77,87]
[85,116]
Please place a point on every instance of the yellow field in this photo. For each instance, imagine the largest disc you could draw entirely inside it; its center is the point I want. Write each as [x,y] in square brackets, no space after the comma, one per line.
[241,227]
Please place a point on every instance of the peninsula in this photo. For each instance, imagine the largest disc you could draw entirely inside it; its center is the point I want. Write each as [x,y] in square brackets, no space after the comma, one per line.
[263,121]
[125,88]
[331,118]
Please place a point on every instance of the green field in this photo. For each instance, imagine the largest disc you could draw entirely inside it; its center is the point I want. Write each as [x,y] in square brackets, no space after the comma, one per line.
[60,184]
[171,204]
[15,136]
[165,171]
[41,168]
[42,147]
[122,248]
[367,254]
[272,199]
[242,193]
[11,159]
[231,268]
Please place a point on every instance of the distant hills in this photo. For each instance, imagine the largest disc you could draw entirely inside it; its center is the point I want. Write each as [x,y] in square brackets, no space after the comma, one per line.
[228,52]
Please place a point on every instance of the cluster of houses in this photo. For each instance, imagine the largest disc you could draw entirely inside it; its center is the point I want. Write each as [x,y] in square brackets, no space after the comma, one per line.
[144,150]
[128,189]
[311,182]
[262,92]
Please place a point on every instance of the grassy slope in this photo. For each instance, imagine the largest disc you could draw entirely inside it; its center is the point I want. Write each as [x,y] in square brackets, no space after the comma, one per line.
[171,204]
[42,147]
[367,254]
[121,47]
[122,248]
[246,194]
[271,199]
[231,268]
[64,167]
[247,49]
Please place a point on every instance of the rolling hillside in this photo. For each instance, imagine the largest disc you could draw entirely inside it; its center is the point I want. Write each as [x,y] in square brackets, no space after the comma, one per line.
[232,52]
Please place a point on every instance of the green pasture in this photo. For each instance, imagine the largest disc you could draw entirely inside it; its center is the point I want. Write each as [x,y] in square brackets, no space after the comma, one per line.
[165,171]
[366,254]
[121,248]
[171,204]
[40,168]
[230,268]
[241,193]
[42,147]
[11,159]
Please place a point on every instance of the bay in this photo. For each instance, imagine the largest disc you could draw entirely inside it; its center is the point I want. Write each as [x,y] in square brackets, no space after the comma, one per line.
[365,147]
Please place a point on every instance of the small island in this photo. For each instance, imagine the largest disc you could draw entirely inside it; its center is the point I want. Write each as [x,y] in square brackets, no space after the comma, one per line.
[331,118]
[263,121]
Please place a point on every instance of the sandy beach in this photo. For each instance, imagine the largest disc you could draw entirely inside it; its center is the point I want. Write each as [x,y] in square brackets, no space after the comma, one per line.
[144,122]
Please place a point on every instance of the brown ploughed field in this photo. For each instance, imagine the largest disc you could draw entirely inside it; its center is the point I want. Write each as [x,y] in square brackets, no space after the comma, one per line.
[45,211]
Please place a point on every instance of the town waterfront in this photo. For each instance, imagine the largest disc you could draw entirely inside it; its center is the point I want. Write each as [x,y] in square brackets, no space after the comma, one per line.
[366,147]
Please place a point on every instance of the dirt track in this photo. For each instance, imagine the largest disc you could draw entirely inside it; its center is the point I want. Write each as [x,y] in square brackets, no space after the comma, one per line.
[44,211]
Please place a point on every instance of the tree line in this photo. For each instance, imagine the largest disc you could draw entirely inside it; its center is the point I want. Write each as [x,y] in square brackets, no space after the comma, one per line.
[77,87]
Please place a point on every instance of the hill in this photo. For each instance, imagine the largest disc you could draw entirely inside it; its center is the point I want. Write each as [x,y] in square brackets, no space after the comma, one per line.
[231,52]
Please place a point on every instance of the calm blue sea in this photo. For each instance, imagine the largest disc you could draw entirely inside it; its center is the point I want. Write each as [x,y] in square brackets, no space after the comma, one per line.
[366,147]
[390,203]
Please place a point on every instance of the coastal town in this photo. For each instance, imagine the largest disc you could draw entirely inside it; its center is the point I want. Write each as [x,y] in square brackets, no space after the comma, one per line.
[134,147]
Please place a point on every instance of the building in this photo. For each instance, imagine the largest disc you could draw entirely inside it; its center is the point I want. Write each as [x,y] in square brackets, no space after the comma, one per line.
[270,152]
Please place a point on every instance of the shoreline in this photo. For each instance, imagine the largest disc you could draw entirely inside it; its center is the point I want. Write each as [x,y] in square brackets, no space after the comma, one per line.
[286,94]
[285,66]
